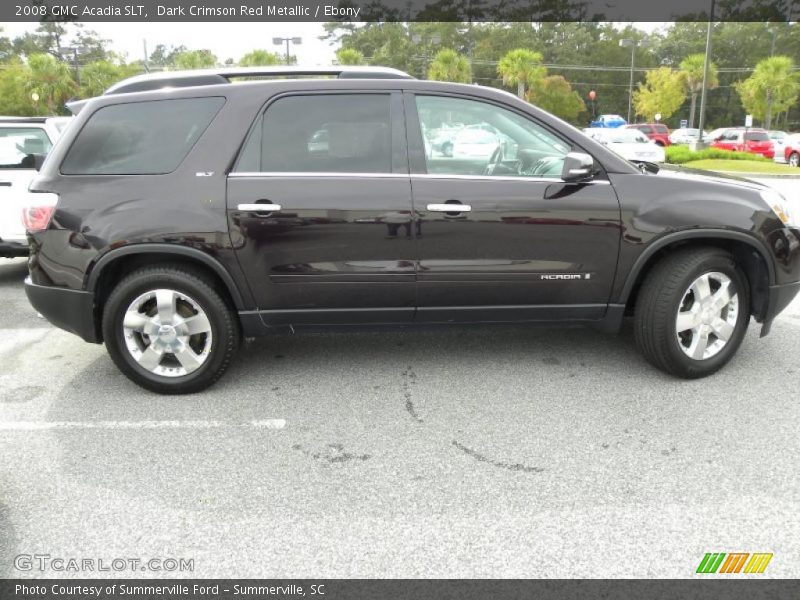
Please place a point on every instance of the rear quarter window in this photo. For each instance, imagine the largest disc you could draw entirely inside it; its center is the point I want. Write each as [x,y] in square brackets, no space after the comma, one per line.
[140,138]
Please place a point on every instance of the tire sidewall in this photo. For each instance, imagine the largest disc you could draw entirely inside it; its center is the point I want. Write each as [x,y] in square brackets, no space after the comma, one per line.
[113,333]
[697,368]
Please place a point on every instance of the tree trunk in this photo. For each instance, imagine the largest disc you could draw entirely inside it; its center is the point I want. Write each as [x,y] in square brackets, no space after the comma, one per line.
[521,89]
[768,114]
[692,109]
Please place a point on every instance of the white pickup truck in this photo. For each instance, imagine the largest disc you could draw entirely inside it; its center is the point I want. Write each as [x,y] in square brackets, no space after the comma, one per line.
[21,139]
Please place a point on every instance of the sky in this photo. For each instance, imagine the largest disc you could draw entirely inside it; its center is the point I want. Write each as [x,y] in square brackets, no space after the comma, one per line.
[225,40]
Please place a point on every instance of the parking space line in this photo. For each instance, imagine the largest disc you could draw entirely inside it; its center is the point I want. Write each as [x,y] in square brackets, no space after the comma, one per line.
[70,425]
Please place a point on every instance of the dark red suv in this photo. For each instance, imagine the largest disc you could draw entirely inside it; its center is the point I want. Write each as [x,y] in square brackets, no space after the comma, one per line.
[658,132]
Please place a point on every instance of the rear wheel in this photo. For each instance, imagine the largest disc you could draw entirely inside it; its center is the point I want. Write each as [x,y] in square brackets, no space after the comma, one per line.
[169,330]
[794,159]
[692,312]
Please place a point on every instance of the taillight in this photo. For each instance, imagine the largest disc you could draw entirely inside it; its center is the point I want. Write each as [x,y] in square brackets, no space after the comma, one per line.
[37,217]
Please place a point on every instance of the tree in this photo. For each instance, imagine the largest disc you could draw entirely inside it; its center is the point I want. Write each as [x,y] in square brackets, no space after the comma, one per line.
[692,70]
[195,59]
[350,56]
[260,58]
[522,68]
[97,77]
[14,97]
[663,92]
[554,94]
[163,56]
[51,80]
[449,65]
[773,87]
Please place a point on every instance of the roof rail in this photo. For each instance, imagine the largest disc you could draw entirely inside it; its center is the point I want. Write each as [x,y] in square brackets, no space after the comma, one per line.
[154,81]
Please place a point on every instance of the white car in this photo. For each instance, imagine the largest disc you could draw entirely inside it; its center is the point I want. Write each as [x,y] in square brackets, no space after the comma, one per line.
[630,144]
[473,142]
[779,143]
[685,135]
[21,139]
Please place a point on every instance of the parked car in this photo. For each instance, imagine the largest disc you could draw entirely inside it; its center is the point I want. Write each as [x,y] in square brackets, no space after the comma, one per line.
[657,132]
[778,140]
[739,139]
[686,135]
[791,150]
[23,140]
[156,224]
[610,121]
[631,144]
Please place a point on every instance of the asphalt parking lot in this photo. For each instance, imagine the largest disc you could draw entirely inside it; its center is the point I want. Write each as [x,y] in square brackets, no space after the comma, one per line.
[533,453]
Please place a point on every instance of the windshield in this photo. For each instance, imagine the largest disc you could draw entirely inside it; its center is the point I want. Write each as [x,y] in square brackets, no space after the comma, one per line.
[16,143]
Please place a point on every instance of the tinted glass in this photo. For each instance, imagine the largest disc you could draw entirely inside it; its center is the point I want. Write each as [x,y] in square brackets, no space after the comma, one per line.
[334,133]
[18,143]
[468,137]
[141,138]
[661,129]
[756,136]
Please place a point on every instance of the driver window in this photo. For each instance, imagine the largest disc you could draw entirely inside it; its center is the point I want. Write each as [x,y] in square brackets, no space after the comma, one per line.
[469,137]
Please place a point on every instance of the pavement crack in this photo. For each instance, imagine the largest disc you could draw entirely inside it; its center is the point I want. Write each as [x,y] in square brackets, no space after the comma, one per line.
[409,381]
[500,465]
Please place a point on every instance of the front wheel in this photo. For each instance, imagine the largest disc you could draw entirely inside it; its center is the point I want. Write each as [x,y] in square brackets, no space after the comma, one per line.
[169,330]
[794,159]
[692,312]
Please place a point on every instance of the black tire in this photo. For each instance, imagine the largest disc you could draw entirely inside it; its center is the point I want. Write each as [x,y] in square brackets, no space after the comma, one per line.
[660,298]
[224,327]
[794,159]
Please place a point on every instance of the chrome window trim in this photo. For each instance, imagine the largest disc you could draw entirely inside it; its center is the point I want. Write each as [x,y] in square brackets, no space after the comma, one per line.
[412,175]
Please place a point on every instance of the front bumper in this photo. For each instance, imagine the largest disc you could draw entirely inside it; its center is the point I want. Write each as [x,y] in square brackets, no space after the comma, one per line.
[71,310]
[12,249]
[780,296]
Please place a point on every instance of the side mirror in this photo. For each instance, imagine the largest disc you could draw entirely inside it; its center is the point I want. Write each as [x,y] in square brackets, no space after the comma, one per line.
[577,166]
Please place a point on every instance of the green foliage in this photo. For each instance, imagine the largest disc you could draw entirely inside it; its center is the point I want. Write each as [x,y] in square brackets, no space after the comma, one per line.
[678,155]
[523,68]
[692,68]
[51,80]
[14,98]
[449,65]
[663,92]
[195,59]
[98,76]
[554,94]
[350,56]
[260,58]
[773,87]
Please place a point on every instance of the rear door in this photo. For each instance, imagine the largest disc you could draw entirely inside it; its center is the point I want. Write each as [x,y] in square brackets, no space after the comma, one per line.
[319,209]
[17,145]
[501,237]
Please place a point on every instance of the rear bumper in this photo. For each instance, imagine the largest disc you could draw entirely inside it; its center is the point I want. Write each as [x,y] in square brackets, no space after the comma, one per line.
[780,296]
[11,248]
[71,310]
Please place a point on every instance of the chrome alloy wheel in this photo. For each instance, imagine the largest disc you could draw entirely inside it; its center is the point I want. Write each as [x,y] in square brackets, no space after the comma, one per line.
[167,333]
[707,316]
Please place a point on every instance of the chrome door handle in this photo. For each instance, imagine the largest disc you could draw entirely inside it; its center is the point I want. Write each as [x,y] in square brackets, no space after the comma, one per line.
[449,207]
[259,207]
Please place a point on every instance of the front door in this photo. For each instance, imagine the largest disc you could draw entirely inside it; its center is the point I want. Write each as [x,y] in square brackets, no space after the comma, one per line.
[319,206]
[501,237]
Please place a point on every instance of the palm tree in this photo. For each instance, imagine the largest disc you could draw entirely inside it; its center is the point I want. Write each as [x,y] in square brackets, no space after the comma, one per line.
[521,67]
[449,65]
[51,80]
[350,56]
[773,86]
[692,70]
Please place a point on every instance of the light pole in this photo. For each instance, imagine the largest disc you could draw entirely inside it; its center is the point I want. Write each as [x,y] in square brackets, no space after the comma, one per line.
[700,145]
[625,42]
[278,41]
[434,40]
[72,52]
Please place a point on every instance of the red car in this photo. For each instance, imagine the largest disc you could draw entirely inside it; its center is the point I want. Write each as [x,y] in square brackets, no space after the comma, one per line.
[791,150]
[739,139]
[657,132]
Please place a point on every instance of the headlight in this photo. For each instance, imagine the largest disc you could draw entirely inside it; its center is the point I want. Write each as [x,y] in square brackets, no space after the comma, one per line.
[780,206]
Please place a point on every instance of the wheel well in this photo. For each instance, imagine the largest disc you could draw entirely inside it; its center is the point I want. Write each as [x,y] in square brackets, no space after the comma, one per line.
[746,257]
[115,271]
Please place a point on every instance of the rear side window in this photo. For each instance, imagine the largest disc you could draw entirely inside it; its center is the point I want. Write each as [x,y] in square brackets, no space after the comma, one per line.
[17,144]
[661,129]
[141,138]
[332,133]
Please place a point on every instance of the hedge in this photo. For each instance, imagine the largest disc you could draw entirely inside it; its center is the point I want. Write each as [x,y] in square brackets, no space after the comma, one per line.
[677,155]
